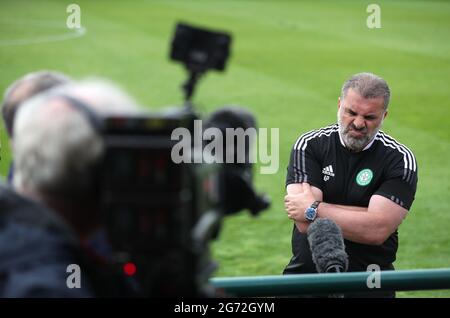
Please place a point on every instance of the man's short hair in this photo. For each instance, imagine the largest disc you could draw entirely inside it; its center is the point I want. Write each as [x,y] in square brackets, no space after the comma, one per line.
[25,88]
[56,148]
[368,85]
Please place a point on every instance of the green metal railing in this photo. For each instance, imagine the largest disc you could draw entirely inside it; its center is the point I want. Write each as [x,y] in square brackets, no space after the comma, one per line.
[290,285]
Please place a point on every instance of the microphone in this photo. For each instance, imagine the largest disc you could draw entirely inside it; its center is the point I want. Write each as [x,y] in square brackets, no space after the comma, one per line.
[327,246]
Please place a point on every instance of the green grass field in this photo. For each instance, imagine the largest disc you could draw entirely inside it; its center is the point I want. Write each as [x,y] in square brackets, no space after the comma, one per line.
[289,60]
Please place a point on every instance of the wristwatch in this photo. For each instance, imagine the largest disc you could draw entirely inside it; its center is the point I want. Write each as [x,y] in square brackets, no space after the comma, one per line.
[311,212]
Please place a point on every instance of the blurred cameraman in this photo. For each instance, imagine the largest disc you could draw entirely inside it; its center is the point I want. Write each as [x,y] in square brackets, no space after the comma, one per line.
[57,149]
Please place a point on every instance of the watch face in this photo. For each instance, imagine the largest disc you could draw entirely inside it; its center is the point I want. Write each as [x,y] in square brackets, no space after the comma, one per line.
[310,214]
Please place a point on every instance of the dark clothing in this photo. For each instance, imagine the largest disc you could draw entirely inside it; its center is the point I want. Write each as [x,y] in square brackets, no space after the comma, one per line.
[36,248]
[385,168]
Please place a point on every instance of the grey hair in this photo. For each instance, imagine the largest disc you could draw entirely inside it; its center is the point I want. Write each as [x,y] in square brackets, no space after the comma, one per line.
[55,146]
[30,84]
[368,85]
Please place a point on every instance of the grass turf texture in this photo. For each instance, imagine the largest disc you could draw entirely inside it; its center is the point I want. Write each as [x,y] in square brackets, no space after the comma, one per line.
[289,60]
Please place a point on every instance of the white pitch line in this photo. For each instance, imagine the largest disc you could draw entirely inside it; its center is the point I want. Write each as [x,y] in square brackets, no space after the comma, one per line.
[45,39]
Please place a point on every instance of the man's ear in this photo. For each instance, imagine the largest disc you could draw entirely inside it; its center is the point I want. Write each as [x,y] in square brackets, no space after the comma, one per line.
[385,114]
[339,102]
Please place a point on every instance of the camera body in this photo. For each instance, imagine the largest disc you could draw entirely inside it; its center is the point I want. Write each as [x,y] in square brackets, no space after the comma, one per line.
[152,205]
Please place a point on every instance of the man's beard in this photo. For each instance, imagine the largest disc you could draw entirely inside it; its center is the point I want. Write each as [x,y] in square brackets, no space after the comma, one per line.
[352,143]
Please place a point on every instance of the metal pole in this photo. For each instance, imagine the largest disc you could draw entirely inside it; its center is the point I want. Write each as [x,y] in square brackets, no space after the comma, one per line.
[290,285]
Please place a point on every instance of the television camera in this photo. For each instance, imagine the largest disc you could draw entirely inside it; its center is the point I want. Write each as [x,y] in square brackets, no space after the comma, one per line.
[161,215]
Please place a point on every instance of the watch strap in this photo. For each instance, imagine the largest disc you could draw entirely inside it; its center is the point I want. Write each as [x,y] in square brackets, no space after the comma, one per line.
[315,204]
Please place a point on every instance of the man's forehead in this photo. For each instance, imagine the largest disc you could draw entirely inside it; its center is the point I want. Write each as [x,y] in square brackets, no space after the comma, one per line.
[354,101]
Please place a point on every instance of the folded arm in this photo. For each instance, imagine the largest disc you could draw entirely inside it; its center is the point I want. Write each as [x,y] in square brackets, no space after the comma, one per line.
[367,225]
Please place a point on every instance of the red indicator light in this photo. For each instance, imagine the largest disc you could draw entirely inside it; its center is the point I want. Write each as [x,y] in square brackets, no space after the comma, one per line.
[129,269]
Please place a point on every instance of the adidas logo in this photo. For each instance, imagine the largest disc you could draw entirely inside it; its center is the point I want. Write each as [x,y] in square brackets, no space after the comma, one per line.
[328,170]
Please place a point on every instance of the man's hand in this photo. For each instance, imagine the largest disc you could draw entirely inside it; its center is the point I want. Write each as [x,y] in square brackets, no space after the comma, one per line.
[295,204]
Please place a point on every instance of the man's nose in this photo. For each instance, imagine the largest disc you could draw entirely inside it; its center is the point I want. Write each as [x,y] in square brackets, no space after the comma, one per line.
[359,123]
